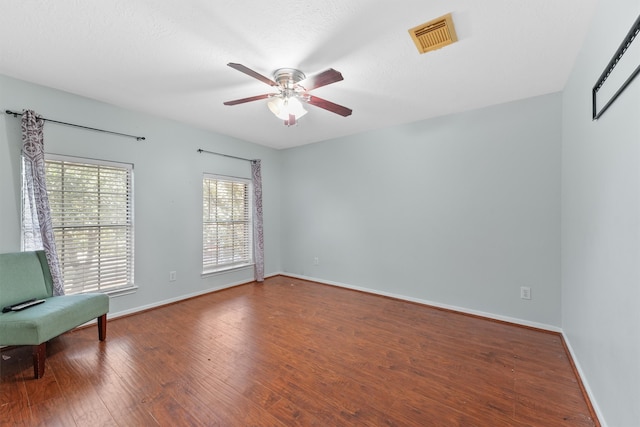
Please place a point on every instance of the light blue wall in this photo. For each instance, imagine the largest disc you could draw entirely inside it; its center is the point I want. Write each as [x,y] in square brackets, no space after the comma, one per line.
[601,223]
[461,210]
[168,180]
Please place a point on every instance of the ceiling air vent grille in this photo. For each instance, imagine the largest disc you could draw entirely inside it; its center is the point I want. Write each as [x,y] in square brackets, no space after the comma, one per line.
[434,34]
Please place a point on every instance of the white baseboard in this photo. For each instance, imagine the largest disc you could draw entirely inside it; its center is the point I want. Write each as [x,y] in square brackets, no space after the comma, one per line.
[585,383]
[180,298]
[464,310]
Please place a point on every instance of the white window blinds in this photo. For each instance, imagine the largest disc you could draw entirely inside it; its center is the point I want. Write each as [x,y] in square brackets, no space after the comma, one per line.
[92,214]
[226,223]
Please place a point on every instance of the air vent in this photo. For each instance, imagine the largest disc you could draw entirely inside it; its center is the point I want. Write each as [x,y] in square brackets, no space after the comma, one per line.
[434,34]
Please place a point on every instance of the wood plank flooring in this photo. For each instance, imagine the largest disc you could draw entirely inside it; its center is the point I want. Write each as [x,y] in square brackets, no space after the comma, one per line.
[296,353]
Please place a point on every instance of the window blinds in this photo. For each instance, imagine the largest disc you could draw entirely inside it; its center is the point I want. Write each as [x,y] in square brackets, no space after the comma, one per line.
[226,223]
[92,214]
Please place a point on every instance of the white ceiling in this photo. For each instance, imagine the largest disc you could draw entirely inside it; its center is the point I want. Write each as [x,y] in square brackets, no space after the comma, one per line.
[169,57]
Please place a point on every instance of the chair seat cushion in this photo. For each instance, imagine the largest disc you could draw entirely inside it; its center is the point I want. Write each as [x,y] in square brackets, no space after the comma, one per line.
[56,315]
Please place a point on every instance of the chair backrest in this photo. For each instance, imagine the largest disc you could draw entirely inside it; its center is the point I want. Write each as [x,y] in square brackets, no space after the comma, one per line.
[24,275]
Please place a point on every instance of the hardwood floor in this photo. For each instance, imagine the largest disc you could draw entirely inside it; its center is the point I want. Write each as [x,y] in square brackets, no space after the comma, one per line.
[291,352]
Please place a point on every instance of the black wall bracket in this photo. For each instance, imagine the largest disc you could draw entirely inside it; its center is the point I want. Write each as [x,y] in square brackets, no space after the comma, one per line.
[631,35]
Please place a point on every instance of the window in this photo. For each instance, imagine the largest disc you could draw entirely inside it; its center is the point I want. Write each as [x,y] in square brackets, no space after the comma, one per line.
[92,214]
[226,223]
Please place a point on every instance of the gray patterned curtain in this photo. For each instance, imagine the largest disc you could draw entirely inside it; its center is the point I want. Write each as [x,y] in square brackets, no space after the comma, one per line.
[36,213]
[258,237]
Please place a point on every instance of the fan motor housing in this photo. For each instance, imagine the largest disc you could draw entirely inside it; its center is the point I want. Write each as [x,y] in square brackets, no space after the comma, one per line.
[288,77]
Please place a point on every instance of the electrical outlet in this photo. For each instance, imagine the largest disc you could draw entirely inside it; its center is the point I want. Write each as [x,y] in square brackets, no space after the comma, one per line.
[525,292]
[172,276]
[316,261]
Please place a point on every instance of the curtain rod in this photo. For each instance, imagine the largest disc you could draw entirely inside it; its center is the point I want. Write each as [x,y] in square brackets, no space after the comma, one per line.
[138,138]
[200,150]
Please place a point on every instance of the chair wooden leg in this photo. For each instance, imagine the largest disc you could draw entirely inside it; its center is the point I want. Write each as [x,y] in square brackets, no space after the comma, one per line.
[102,327]
[39,356]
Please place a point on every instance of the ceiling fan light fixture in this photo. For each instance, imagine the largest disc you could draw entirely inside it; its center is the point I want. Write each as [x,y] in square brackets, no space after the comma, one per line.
[283,107]
[275,105]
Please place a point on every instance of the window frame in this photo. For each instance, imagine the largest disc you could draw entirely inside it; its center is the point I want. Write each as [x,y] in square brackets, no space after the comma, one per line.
[129,240]
[208,269]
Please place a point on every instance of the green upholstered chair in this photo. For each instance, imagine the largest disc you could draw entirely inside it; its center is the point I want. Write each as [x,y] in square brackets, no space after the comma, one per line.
[24,276]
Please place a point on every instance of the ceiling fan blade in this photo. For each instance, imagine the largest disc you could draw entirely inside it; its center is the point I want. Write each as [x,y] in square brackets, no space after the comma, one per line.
[250,72]
[328,105]
[251,98]
[324,78]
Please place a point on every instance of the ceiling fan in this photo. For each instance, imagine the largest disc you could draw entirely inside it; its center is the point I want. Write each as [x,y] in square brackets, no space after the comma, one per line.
[293,89]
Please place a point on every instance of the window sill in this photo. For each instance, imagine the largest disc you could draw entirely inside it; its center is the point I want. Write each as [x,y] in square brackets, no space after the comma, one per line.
[121,292]
[210,273]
